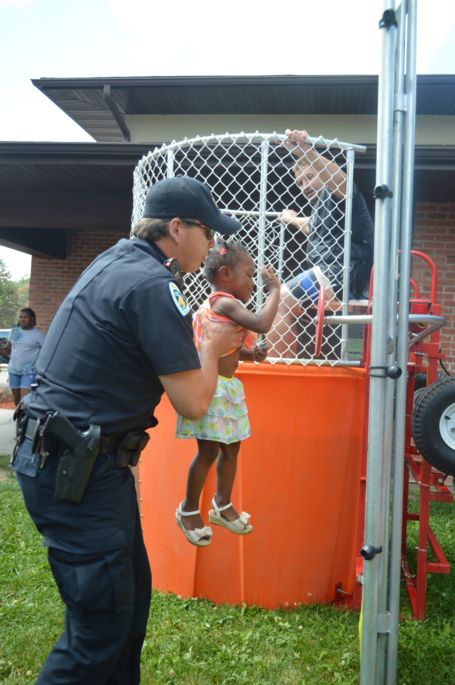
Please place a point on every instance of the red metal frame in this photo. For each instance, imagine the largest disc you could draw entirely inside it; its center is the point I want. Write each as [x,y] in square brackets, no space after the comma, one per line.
[424,358]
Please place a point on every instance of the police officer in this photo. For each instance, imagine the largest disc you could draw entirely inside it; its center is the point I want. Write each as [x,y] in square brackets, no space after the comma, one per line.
[121,338]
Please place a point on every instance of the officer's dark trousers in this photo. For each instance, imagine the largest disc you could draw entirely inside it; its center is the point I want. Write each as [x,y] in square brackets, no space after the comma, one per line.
[98,559]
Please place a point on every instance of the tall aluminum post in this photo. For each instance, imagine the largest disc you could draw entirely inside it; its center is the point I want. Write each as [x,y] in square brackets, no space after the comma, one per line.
[381,573]
[398,108]
[402,342]
[374,541]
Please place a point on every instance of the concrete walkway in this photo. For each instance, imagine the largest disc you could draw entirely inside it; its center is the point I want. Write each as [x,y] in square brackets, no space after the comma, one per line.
[7,431]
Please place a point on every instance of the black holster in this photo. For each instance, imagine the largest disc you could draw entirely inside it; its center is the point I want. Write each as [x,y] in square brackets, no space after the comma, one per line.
[73,471]
[78,452]
[130,448]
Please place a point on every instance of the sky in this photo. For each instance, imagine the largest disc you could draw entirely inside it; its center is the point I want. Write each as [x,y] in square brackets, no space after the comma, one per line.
[88,38]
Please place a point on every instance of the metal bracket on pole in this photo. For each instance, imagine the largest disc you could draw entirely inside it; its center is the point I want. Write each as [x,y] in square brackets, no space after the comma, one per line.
[381,192]
[393,371]
[388,19]
[368,552]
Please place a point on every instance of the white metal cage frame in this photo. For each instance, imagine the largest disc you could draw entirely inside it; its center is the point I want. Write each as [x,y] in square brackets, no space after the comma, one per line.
[252,176]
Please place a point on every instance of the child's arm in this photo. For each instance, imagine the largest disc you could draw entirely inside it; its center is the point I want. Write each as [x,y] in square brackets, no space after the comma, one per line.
[259,322]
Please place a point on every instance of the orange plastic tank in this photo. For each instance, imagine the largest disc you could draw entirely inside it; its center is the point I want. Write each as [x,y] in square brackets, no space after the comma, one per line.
[299,478]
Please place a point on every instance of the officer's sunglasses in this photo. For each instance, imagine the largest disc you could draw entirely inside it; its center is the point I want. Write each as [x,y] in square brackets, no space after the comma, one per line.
[209,234]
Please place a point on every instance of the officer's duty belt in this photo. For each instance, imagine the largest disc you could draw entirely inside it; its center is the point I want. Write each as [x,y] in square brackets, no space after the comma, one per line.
[109,443]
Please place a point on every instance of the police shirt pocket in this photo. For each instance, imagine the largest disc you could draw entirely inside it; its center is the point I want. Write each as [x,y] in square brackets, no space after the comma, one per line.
[89,583]
[25,461]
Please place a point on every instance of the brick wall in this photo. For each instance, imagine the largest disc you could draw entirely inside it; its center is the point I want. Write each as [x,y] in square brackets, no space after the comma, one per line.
[51,279]
[434,234]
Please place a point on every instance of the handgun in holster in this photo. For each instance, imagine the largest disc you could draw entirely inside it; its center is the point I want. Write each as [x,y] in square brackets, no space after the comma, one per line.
[79,450]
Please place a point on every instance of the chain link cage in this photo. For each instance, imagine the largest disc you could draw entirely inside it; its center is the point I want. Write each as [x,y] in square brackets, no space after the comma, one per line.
[255,178]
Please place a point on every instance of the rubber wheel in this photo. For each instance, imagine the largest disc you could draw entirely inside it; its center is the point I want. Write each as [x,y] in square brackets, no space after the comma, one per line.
[418,394]
[433,425]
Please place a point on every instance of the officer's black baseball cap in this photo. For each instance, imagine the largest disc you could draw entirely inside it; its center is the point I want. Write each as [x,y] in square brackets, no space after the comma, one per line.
[183,196]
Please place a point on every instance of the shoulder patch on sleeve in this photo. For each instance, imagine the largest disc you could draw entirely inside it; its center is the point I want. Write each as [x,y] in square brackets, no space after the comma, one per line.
[179,300]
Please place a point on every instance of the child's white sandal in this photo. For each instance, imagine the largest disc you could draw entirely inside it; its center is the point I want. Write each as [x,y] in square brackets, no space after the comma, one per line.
[240,526]
[201,537]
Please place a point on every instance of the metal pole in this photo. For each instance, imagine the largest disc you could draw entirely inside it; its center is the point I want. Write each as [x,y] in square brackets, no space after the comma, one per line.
[170,163]
[374,516]
[402,343]
[347,248]
[262,214]
[392,331]
[281,251]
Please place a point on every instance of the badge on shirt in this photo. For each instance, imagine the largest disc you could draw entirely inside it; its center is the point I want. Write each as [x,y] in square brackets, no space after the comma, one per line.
[179,301]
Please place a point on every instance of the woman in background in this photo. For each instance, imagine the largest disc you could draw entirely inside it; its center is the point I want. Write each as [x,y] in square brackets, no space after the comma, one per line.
[23,346]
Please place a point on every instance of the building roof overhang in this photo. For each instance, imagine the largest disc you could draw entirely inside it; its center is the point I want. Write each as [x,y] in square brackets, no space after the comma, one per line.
[100,105]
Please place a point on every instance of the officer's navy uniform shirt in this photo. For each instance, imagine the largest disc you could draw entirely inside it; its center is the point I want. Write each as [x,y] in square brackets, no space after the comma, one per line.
[122,325]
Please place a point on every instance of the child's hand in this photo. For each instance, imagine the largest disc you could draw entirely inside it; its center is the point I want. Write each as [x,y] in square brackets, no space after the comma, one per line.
[260,352]
[270,279]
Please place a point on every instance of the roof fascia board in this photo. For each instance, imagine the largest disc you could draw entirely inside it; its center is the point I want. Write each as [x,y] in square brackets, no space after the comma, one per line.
[272,80]
[73,153]
[128,153]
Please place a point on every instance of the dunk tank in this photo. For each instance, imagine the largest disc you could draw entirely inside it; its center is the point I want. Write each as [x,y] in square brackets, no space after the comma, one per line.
[313,405]
[299,474]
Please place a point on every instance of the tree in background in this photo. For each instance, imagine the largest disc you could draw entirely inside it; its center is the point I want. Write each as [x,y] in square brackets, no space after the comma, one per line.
[13,296]
[23,290]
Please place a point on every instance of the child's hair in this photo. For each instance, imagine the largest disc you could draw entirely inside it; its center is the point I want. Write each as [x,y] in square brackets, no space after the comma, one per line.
[223,254]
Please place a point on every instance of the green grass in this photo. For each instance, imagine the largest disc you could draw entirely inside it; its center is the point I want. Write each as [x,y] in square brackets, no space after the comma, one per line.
[194,642]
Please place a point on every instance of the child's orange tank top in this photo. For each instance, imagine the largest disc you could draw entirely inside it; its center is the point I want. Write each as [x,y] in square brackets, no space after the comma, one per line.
[249,338]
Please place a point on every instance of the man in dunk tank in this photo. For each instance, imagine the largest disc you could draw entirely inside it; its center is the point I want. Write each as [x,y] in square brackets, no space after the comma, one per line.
[323,184]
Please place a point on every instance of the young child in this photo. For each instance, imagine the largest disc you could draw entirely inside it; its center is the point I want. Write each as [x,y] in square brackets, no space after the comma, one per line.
[230,270]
